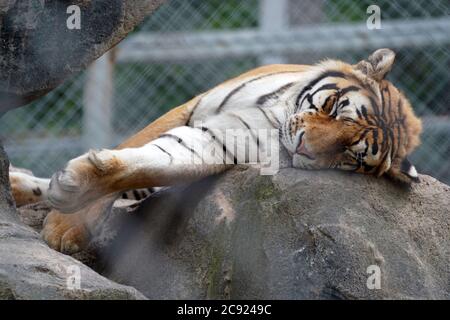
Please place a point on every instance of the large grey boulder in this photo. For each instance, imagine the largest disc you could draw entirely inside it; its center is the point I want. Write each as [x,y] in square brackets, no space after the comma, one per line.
[29,269]
[38,51]
[298,234]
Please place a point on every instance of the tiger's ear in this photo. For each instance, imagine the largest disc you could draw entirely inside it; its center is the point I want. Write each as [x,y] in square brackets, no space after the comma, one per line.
[378,64]
[403,171]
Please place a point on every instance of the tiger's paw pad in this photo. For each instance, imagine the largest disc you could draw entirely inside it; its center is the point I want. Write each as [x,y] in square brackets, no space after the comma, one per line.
[65,233]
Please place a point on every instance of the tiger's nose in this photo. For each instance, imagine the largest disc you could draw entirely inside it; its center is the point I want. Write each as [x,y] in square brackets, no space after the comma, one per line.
[302,149]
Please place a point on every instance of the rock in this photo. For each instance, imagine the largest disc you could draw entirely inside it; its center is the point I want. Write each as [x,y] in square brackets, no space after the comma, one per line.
[29,269]
[33,215]
[39,51]
[295,235]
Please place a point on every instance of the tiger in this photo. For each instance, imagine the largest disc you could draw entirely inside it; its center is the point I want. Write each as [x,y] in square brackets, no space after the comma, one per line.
[329,115]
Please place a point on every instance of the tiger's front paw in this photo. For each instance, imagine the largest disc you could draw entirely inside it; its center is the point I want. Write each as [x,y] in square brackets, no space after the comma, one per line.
[65,233]
[84,180]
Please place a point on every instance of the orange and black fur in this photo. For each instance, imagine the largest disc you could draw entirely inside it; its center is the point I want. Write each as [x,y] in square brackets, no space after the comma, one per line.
[330,115]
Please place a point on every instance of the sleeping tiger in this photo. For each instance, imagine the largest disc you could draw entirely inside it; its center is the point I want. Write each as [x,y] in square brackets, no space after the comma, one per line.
[330,115]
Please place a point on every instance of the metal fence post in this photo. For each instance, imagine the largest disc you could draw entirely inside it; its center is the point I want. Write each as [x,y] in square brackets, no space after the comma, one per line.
[273,17]
[98,103]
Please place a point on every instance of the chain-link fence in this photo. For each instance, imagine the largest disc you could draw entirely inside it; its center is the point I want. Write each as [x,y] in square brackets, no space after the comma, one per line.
[188,46]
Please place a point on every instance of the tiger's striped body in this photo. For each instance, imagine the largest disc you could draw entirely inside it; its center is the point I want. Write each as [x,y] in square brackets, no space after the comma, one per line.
[331,115]
[138,194]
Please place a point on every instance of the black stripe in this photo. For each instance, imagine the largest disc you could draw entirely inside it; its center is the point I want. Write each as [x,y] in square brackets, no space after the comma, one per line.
[366,115]
[253,136]
[382,162]
[124,195]
[241,120]
[327,86]
[391,119]
[375,142]
[263,99]
[309,97]
[229,154]
[242,85]
[136,195]
[171,136]
[375,106]
[363,135]
[267,117]
[386,118]
[347,120]
[363,85]
[364,112]
[366,148]
[166,152]
[358,113]
[310,101]
[383,102]
[180,141]
[349,89]
[248,127]
[232,93]
[335,74]
[386,135]
[400,112]
[193,110]
[391,136]
[211,134]
[275,117]
[405,165]
[400,109]
[367,167]
[224,148]
[399,135]
[343,104]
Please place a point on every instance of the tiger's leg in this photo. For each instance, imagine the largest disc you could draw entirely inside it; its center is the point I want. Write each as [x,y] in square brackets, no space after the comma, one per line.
[27,189]
[69,233]
[164,161]
[177,156]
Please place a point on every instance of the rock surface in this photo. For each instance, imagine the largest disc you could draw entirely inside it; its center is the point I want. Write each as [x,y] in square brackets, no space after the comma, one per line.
[29,269]
[298,234]
[39,51]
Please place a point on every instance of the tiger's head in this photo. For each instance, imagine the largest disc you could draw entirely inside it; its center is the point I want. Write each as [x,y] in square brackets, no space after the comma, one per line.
[349,117]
